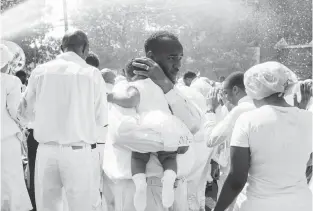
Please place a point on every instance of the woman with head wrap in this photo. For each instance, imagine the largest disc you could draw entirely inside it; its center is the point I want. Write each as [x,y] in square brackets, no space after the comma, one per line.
[14,195]
[270,147]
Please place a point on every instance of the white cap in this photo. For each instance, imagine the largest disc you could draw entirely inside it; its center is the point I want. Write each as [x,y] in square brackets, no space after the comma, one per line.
[5,55]
[265,79]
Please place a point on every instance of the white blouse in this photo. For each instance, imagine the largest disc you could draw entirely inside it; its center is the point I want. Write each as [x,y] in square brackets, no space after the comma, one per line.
[280,142]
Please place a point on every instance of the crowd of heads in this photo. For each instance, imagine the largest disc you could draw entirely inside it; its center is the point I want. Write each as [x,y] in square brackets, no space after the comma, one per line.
[166,50]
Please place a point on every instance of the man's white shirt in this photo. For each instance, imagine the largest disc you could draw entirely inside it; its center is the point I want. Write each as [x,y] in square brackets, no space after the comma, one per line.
[224,128]
[66,98]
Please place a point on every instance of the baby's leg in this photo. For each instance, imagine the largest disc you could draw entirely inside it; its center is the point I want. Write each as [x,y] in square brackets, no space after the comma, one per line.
[138,168]
[168,161]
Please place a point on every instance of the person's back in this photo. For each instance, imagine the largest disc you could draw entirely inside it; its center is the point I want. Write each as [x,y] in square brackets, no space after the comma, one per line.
[280,140]
[68,98]
[10,96]
[67,87]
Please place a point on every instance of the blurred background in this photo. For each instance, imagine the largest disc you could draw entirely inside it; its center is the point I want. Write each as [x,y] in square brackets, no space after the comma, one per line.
[219,36]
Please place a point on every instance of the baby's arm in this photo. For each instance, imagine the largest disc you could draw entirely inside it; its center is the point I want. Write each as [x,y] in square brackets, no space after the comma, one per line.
[130,99]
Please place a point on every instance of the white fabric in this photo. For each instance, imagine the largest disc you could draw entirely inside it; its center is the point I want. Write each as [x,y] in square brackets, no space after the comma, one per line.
[119,78]
[124,193]
[185,108]
[198,175]
[180,82]
[263,80]
[10,98]
[14,195]
[119,165]
[202,85]
[59,167]
[280,142]
[157,119]
[68,97]
[5,55]
[221,112]
[224,128]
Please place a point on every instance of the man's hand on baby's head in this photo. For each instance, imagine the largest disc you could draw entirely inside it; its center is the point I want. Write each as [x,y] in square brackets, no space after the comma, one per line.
[182,149]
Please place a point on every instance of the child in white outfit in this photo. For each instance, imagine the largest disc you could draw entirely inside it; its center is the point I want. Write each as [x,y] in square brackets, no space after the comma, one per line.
[149,101]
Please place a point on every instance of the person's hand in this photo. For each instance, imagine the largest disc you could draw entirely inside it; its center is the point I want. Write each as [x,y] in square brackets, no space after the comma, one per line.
[152,70]
[306,94]
[212,100]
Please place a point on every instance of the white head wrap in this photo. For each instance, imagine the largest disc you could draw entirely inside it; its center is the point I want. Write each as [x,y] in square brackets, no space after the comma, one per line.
[263,80]
[5,55]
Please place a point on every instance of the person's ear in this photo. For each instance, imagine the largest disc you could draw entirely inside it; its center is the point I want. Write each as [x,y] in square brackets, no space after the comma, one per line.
[235,90]
[84,48]
[150,55]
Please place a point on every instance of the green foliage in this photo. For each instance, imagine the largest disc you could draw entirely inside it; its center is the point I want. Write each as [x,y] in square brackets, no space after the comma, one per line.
[217,35]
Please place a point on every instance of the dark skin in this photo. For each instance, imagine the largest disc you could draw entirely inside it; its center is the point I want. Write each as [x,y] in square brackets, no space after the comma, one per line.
[237,177]
[240,158]
[306,94]
[161,66]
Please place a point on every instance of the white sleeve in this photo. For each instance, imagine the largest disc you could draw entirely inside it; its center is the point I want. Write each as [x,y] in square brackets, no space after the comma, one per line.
[101,103]
[240,135]
[185,110]
[223,129]
[13,97]
[26,110]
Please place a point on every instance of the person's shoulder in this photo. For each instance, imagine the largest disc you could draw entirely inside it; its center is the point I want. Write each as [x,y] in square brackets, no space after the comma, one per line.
[41,68]
[11,81]
[247,115]
[14,79]
[305,113]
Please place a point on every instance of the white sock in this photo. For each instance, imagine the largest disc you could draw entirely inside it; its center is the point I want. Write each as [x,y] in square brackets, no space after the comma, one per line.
[168,181]
[140,197]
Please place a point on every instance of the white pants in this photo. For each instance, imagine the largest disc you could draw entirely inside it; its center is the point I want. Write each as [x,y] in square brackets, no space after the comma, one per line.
[14,195]
[124,194]
[74,170]
[196,189]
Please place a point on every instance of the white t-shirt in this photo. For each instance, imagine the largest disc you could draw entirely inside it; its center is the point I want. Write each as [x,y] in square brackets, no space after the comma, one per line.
[280,142]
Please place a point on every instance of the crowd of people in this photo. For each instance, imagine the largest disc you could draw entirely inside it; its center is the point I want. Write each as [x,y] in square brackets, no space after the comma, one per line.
[77,138]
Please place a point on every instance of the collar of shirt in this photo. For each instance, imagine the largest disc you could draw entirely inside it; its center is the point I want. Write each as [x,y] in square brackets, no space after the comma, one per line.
[71,56]
[245,99]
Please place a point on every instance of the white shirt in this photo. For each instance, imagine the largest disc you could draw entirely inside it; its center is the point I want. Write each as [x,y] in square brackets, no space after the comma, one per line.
[103,131]
[201,85]
[280,143]
[224,128]
[116,163]
[68,97]
[10,99]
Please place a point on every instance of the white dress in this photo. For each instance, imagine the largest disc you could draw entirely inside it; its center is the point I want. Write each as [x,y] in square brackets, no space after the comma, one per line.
[280,142]
[14,195]
[155,113]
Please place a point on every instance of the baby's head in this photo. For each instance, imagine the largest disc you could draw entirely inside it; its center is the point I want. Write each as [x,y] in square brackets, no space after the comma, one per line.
[129,72]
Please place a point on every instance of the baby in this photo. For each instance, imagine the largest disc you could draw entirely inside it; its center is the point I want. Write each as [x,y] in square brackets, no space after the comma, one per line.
[148,99]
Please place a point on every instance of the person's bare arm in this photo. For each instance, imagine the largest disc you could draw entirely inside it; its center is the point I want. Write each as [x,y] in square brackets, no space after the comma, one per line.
[130,99]
[236,179]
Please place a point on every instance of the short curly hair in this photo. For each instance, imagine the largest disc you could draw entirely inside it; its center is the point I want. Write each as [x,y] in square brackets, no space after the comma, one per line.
[153,41]
[93,60]
[129,69]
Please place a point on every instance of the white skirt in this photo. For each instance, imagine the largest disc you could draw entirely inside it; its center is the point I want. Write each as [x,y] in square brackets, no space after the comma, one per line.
[14,195]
